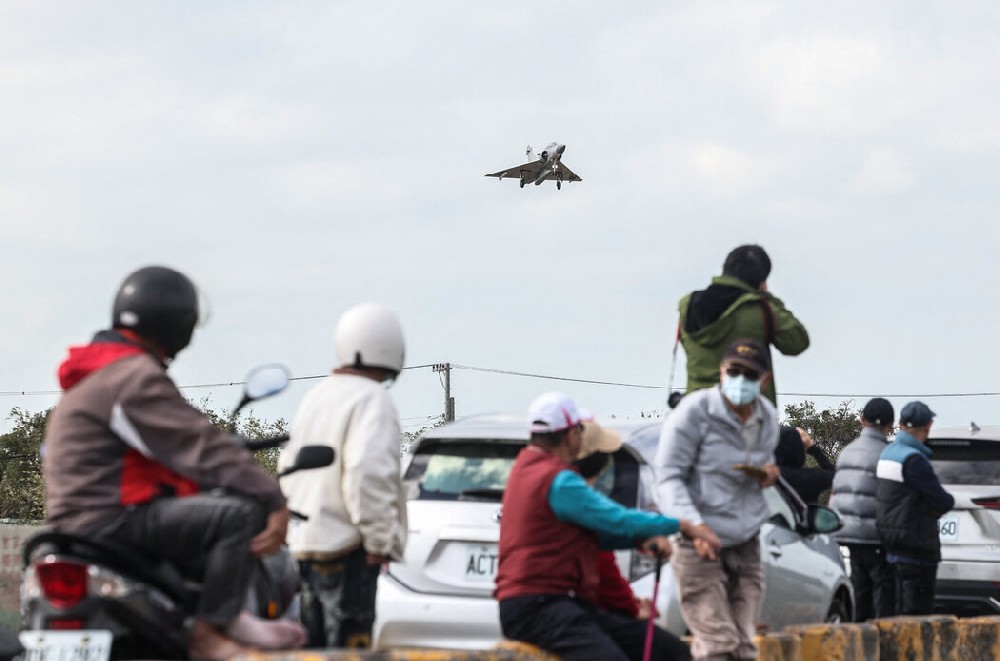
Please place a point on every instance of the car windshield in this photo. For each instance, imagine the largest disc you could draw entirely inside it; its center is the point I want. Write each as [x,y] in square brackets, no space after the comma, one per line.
[964,461]
[466,469]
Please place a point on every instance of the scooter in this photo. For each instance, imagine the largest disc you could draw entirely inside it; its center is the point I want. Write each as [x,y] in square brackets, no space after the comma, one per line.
[85,598]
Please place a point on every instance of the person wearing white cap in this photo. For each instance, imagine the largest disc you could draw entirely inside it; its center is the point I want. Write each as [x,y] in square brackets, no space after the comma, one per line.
[552,528]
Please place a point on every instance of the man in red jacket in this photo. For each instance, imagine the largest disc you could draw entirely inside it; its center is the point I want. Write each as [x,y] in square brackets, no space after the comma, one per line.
[551,531]
[128,459]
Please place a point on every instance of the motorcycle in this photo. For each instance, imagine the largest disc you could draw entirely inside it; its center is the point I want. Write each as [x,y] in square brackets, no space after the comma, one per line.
[90,599]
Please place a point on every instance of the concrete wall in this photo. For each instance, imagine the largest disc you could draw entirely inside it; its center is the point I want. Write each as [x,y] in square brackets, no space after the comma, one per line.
[12,538]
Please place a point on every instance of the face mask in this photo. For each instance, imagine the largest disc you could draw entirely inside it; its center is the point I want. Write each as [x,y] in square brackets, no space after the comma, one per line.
[740,390]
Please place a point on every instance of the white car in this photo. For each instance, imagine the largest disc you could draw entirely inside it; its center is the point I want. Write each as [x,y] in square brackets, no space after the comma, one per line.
[441,594]
[967,462]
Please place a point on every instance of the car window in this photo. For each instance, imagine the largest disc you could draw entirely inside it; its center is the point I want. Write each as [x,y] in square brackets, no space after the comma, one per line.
[965,461]
[455,469]
[477,469]
[782,513]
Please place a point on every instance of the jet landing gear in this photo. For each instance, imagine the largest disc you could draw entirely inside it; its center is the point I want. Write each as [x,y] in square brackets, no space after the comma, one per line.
[558,184]
[522,182]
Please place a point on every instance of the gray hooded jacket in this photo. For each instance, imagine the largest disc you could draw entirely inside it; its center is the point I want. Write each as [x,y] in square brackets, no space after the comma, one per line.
[701,441]
[855,486]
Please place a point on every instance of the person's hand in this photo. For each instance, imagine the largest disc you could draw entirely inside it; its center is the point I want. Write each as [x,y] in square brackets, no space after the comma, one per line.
[270,539]
[705,550]
[705,541]
[807,440]
[772,475]
[646,609]
[659,546]
[374,559]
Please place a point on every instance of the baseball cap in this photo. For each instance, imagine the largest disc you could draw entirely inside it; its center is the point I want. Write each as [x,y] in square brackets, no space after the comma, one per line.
[598,439]
[552,412]
[878,411]
[916,414]
[748,353]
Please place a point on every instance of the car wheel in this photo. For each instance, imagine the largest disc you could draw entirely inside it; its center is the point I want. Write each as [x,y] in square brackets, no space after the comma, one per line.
[838,612]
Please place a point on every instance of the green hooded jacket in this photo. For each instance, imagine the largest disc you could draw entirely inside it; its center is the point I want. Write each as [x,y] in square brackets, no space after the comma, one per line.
[751,314]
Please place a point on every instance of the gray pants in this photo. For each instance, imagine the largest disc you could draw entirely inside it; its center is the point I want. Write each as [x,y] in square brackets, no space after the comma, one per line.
[721,599]
[206,536]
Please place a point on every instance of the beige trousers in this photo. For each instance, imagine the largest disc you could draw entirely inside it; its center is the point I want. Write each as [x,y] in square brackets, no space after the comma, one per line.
[720,599]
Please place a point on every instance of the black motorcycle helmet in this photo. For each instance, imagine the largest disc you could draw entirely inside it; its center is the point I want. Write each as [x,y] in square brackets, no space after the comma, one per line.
[159,304]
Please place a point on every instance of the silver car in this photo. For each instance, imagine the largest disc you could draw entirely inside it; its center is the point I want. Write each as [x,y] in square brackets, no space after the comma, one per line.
[441,594]
[967,462]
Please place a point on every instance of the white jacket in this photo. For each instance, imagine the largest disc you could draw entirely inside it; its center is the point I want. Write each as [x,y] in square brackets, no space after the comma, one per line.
[359,500]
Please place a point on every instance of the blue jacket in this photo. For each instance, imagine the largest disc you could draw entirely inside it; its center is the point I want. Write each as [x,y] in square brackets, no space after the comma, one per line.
[910,500]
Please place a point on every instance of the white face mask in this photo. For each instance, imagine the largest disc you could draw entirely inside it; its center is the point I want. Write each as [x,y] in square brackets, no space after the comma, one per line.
[740,390]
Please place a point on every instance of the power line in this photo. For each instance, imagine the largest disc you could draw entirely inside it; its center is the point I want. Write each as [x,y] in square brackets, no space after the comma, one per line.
[550,377]
[555,378]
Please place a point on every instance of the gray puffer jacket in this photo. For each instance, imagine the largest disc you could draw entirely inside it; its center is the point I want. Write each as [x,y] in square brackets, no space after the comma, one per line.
[855,486]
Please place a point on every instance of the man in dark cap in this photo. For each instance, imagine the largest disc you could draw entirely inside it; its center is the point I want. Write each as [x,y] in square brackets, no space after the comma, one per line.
[910,501]
[716,455]
[736,304]
[854,496]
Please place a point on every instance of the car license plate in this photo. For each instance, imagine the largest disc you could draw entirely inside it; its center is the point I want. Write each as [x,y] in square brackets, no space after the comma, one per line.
[84,645]
[480,562]
[948,528]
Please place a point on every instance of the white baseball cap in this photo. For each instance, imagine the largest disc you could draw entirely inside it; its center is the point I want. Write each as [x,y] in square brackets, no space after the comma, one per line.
[552,412]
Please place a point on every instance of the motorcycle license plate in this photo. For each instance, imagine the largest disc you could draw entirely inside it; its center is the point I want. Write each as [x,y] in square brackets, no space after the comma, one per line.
[80,645]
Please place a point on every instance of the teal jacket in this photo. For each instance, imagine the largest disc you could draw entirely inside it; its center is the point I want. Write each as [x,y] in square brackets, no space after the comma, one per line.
[728,310]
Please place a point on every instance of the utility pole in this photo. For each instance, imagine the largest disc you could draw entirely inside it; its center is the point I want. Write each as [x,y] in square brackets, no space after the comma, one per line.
[449,401]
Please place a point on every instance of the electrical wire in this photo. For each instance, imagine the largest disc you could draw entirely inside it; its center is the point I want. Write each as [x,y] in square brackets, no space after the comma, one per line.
[549,377]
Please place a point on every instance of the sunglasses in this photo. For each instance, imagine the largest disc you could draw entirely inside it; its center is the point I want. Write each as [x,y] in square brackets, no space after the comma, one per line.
[739,370]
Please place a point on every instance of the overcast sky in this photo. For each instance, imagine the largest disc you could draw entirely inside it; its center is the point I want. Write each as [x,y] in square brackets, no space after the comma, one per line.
[297,158]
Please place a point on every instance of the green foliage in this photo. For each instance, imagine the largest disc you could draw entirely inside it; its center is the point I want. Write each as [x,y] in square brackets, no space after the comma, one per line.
[22,494]
[249,427]
[832,429]
[410,437]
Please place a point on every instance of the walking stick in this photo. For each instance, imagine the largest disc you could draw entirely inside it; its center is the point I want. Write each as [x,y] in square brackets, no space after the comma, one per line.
[647,651]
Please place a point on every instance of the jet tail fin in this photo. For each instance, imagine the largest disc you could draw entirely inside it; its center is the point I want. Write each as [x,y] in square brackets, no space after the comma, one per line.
[530,152]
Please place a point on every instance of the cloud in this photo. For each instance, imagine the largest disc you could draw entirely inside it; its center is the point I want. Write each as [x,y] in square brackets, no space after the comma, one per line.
[726,169]
[883,172]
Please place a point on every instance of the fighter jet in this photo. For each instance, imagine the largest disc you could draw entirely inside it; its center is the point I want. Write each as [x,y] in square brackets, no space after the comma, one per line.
[544,166]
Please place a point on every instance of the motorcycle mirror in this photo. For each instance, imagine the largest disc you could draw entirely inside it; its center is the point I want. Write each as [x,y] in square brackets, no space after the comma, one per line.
[311,456]
[262,382]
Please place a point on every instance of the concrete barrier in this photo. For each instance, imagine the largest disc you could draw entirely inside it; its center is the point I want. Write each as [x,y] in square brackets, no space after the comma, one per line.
[506,651]
[920,638]
[778,647]
[906,638]
[979,638]
[837,642]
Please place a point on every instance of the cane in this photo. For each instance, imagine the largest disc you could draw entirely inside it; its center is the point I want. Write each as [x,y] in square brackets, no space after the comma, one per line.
[647,652]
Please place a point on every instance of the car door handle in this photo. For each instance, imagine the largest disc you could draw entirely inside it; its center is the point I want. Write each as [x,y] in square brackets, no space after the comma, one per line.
[774,549]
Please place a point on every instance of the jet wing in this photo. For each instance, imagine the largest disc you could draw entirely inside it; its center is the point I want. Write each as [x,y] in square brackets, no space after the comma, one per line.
[529,171]
[567,174]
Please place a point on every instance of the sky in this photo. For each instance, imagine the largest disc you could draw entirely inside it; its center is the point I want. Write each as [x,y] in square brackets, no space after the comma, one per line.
[295,159]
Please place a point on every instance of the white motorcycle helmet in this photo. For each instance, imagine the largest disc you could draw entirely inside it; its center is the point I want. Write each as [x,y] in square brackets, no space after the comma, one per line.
[369,335]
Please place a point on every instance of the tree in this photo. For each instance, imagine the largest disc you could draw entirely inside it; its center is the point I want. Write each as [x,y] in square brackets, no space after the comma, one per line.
[410,437]
[832,429]
[21,486]
[251,428]
[22,490]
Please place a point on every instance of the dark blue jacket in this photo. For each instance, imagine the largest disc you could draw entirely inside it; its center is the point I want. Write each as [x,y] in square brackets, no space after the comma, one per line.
[910,500]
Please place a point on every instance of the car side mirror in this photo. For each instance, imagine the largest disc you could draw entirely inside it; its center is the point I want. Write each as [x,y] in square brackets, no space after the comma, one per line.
[823,519]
